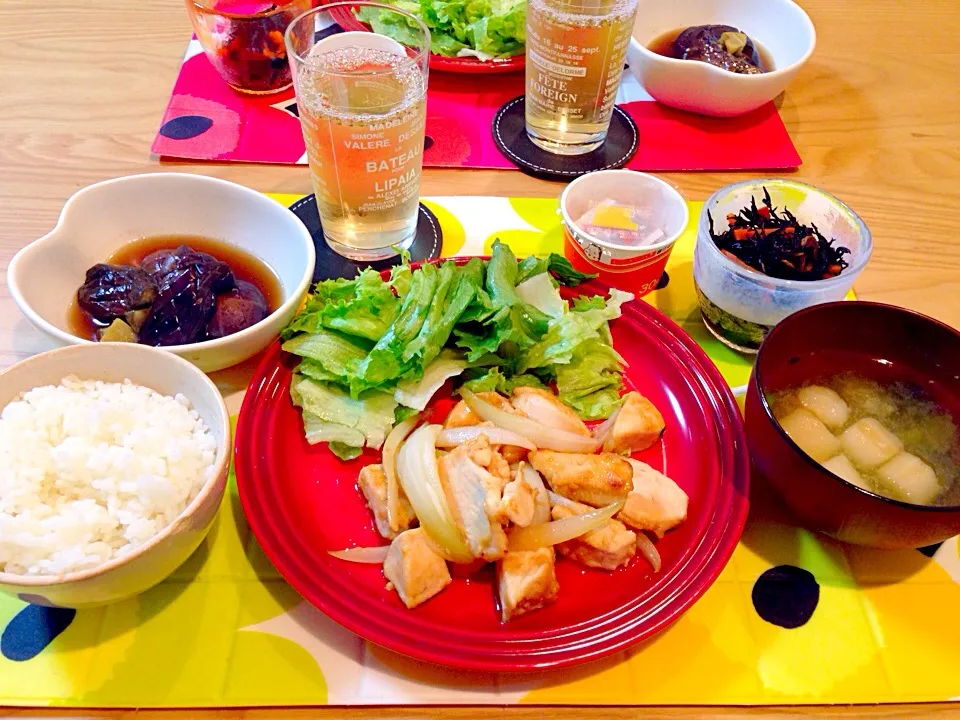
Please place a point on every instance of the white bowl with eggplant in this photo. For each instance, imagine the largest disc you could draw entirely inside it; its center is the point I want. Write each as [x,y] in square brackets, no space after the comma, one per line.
[719,57]
[201,267]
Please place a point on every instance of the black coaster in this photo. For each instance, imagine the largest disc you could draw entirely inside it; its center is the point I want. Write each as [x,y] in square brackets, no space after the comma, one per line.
[426,243]
[510,136]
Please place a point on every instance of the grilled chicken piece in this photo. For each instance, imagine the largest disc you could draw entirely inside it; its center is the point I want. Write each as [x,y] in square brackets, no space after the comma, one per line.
[463,416]
[597,480]
[373,485]
[608,547]
[656,502]
[473,495]
[415,570]
[527,581]
[546,408]
[518,503]
[499,466]
[638,425]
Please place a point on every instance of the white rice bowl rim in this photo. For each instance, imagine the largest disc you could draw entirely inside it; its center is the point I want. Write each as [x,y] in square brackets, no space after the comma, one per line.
[179,367]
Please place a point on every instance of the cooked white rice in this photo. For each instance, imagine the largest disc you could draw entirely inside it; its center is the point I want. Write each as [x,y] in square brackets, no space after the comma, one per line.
[91,470]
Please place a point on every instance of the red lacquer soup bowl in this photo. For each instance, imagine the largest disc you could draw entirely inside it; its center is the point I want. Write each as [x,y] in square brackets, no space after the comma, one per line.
[884,343]
[302,501]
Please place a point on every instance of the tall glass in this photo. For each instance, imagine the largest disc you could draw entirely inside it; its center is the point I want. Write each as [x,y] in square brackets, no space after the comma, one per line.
[575,54]
[362,98]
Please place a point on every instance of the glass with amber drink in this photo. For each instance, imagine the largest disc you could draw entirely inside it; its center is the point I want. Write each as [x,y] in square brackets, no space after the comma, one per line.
[361,97]
[575,55]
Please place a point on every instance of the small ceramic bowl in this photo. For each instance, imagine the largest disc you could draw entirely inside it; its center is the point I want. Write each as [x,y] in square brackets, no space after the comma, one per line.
[882,342]
[779,26]
[740,305]
[97,221]
[153,561]
[632,269]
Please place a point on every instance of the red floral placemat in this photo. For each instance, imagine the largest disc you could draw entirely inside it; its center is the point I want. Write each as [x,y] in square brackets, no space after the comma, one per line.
[207,120]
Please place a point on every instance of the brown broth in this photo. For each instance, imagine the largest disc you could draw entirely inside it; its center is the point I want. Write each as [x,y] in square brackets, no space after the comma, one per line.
[662,44]
[244,266]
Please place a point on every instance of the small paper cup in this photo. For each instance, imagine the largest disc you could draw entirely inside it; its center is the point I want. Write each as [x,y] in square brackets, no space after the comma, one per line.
[628,268]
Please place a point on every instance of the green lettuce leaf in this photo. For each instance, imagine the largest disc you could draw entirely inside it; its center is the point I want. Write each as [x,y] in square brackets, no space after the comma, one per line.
[569,331]
[372,414]
[384,363]
[328,355]
[364,307]
[344,451]
[558,267]
[456,289]
[493,379]
[417,393]
[591,382]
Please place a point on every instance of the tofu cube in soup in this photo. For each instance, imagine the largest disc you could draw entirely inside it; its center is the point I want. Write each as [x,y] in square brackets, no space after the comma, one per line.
[373,484]
[527,581]
[813,437]
[607,547]
[842,467]
[637,426]
[909,478]
[823,402]
[869,444]
[597,480]
[415,570]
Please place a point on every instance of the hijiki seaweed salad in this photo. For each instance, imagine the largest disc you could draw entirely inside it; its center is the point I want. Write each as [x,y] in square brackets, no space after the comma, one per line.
[777,244]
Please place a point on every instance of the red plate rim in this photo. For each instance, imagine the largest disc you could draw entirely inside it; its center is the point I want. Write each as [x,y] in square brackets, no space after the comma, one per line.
[442,63]
[672,595]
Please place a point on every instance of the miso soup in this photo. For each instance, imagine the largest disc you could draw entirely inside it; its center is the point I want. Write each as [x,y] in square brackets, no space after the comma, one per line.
[890,438]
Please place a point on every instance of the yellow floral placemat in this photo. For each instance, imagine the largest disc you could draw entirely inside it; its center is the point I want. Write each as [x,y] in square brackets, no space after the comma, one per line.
[794,618]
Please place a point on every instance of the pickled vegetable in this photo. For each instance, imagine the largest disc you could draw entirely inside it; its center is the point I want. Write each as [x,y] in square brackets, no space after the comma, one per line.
[118,331]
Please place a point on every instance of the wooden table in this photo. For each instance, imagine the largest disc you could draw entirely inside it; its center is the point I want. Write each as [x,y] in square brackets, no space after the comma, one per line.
[875,115]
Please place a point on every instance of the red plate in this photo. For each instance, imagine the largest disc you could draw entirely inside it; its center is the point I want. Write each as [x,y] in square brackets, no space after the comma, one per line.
[302,501]
[440,63]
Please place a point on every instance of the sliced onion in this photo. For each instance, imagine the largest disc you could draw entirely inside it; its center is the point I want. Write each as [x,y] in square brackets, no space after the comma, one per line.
[541,510]
[419,476]
[368,555]
[396,436]
[602,431]
[534,537]
[546,438]
[451,437]
[648,550]
[561,500]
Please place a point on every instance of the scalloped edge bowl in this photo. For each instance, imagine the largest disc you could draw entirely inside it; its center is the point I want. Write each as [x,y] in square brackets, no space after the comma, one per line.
[780,26]
[43,277]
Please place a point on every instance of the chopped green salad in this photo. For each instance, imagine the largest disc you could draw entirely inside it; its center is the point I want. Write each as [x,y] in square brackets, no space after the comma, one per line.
[374,351]
[458,28]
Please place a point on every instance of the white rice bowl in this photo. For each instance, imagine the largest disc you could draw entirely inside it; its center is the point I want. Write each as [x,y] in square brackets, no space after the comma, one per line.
[91,470]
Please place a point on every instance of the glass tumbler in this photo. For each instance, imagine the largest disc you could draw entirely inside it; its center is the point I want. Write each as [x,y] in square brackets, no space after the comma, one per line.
[575,55]
[360,73]
[244,40]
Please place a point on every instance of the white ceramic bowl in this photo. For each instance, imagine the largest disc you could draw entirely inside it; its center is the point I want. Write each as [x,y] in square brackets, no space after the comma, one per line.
[156,559]
[780,26]
[44,276]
